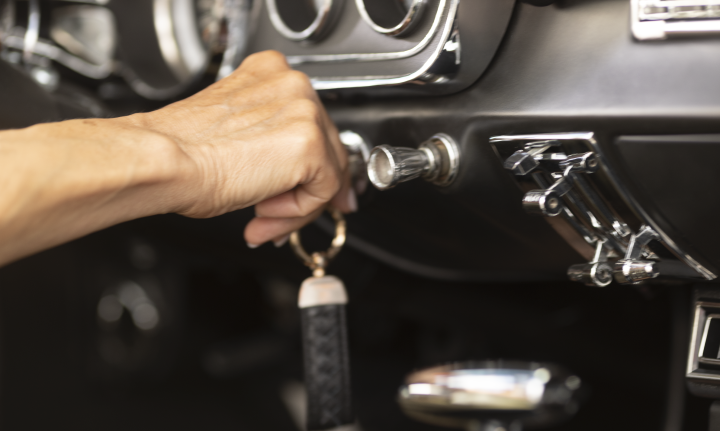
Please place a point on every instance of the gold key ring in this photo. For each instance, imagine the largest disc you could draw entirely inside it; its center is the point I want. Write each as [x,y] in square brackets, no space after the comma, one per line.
[319,260]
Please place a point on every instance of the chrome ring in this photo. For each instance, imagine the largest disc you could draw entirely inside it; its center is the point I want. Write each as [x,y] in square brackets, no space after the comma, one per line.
[408,22]
[314,31]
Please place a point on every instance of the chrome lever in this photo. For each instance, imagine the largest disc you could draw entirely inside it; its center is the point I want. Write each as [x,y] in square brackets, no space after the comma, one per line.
[632,270]
[436,161]
[547,201]
[596,273]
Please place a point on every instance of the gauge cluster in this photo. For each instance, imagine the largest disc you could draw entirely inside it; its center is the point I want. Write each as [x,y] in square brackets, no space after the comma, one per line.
[161,48]
[364,44]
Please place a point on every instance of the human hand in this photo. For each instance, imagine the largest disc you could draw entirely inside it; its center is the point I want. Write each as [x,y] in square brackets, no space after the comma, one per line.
[258,137]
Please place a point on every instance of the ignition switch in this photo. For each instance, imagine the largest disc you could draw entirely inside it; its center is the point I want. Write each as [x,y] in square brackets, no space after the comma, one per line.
[436,161]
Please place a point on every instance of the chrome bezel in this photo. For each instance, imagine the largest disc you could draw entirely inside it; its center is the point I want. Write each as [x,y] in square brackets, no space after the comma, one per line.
[411,18]
[180,43]
[313,32]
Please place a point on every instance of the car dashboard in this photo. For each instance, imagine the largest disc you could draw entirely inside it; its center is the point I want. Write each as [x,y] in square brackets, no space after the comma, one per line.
[535,183]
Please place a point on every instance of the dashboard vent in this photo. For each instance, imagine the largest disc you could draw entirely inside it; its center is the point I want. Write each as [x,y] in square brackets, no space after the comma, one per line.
[661,19]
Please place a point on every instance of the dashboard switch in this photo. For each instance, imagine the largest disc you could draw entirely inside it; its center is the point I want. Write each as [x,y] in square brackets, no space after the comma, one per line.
[436,161]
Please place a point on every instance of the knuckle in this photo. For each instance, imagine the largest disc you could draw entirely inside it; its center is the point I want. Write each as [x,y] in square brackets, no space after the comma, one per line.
[297,82]
[269,59]
[310,137]
[303,110]
[334,183]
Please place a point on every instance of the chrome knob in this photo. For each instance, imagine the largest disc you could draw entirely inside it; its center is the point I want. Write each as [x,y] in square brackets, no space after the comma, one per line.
[491,395]
[358,155]
[436,160]
[542,202]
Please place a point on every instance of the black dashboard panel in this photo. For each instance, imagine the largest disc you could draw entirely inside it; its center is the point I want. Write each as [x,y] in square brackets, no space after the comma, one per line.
[435,274]
[674,173]
[26,103]
[562,68]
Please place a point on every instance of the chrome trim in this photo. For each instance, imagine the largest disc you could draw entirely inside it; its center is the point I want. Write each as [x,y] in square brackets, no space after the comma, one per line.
[449,153]
[703,338]
[238,21]
[358,150]
[589,139]
[32,34]
[420,76]
[660,19]
[505,395]
[90,45]
[411,18]
[49,50]
[7,18]
[436,160]
[178,38]
[313,32]
[703,312]
[295,60]
[699,316]
[97,2]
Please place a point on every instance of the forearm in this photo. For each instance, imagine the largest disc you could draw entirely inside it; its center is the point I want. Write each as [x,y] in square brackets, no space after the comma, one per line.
[258,137]
[65,180]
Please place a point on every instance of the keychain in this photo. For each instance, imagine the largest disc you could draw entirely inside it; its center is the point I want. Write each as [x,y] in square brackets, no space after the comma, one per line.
[322,302]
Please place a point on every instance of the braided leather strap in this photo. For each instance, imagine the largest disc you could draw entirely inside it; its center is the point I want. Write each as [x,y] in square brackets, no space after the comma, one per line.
[327,368]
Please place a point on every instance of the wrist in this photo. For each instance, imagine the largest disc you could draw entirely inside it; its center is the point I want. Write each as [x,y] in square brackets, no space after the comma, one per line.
[167,171]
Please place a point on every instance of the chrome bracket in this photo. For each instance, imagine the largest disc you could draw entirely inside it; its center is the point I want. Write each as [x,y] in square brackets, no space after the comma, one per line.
[596,273]
[547,201]
[585,209]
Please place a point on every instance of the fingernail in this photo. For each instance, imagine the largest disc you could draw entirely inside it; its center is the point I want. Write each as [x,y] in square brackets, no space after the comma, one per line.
[253,245]
[281,242]
[352,200]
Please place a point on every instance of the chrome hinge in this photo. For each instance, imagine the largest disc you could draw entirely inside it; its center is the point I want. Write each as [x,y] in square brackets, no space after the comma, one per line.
[563,166]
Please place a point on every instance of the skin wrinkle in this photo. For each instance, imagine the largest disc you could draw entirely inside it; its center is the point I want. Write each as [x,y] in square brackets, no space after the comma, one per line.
[259,137]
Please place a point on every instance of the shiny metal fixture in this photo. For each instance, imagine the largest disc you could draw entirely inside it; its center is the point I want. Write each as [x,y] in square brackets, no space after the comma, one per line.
[563,166]
[237,20]
[382,15]
[662,19]
[180,43]
[440,23]
[596,273]
[443,29]
[86,31]
[701,365]
[35,51]
[436,160]
[358,156]
[547,202]
[7,17]
[288,17]
[47,49]
[631,269]
[491,395]
[32,33]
